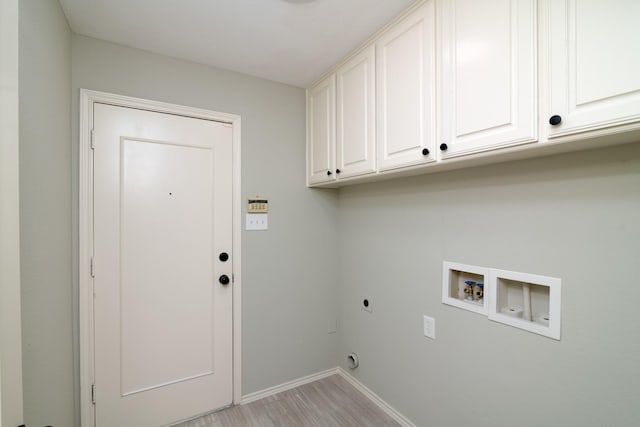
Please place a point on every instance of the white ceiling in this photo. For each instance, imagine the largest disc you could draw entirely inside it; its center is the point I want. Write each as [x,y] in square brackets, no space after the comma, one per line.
[290,41]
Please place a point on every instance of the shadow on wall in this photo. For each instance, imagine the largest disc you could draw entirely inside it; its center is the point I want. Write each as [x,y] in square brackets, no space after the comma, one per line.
[601,162]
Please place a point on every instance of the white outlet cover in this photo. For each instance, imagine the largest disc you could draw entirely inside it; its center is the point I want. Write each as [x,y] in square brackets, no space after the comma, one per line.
[257,222]
[430,327]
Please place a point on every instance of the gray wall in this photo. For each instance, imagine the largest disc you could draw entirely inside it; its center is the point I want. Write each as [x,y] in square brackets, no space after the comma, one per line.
[574,216]
[289,286]
[45,213]
[10,332]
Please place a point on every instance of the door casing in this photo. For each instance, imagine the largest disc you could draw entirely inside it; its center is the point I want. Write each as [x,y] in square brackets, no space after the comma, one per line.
[85,234]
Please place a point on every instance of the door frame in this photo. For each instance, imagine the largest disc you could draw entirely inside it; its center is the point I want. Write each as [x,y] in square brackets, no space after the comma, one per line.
[85,234]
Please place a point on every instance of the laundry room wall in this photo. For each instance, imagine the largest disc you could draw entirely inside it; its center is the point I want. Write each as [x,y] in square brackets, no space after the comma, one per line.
[288,275]
[573,216]
[45,214]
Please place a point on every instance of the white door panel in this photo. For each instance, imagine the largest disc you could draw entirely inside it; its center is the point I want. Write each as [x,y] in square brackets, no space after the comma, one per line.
[594,64]
[166,235]
[162,213]
[488,81]
[405,76]
[355,139]
[321,131]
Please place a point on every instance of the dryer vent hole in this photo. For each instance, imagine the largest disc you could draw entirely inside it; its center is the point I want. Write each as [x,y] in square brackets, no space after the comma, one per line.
[352,361]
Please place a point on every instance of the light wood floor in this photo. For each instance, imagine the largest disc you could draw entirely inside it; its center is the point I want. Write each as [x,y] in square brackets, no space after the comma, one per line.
[329,402]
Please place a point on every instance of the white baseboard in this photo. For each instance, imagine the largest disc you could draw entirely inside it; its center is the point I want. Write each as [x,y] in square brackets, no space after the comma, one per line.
[388,409]
[287,386]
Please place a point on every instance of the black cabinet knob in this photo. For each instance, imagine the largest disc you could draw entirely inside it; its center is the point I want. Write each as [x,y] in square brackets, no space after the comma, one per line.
[329,173]
[425,151]
[338,171]
[443,147]
[223,256]
[555,120]
[224,279]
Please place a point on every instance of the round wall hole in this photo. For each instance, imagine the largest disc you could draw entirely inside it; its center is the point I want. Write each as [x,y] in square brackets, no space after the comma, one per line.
[352,361]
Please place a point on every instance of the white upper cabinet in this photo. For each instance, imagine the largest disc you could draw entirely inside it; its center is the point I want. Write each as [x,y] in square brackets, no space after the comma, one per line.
[355,141]
[592,54]
[405,90]
[488,80]
[321,131]
[508,73]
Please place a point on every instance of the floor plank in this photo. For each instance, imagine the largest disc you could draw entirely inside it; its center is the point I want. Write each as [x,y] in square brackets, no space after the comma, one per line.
[329,402]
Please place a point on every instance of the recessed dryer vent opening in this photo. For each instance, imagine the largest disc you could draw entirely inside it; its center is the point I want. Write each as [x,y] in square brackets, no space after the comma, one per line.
[352,361]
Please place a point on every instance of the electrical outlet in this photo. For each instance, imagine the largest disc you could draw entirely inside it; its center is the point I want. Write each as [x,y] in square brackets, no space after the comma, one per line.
[366,304]
[429,327]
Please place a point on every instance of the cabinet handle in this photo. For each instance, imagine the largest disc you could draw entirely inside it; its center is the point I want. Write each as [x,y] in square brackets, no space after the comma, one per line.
[425,151]
[329,173]
[224,279]
[443,147]
[338,171]
[555,120]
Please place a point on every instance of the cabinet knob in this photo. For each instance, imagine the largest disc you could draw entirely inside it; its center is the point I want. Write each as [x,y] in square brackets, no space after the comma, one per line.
[555,120]
[338,171]
[443,147]
[329,173]
[425,151]
[223,256]
[224,279]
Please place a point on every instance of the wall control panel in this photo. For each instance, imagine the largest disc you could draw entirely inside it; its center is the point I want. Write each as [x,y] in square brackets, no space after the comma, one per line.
[258,205]
[257,209]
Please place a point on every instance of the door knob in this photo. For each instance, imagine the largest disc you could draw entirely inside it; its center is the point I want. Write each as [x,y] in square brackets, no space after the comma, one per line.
[223,256]
[224,279]
[555,120]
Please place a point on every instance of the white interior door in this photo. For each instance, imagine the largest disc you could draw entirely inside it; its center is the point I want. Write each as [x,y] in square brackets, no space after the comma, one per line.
[162,219]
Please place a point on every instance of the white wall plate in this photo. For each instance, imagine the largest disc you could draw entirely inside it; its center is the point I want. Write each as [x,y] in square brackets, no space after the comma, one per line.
[257,222]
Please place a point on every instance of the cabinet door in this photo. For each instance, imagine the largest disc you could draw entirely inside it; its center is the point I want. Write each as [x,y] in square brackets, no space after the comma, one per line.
[355,148]
[321,129]
[593,54]
[405,75]
[488,81]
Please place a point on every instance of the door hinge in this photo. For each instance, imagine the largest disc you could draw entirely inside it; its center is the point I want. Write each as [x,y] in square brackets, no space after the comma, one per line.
[92,268]
[93,394]
[93,146]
